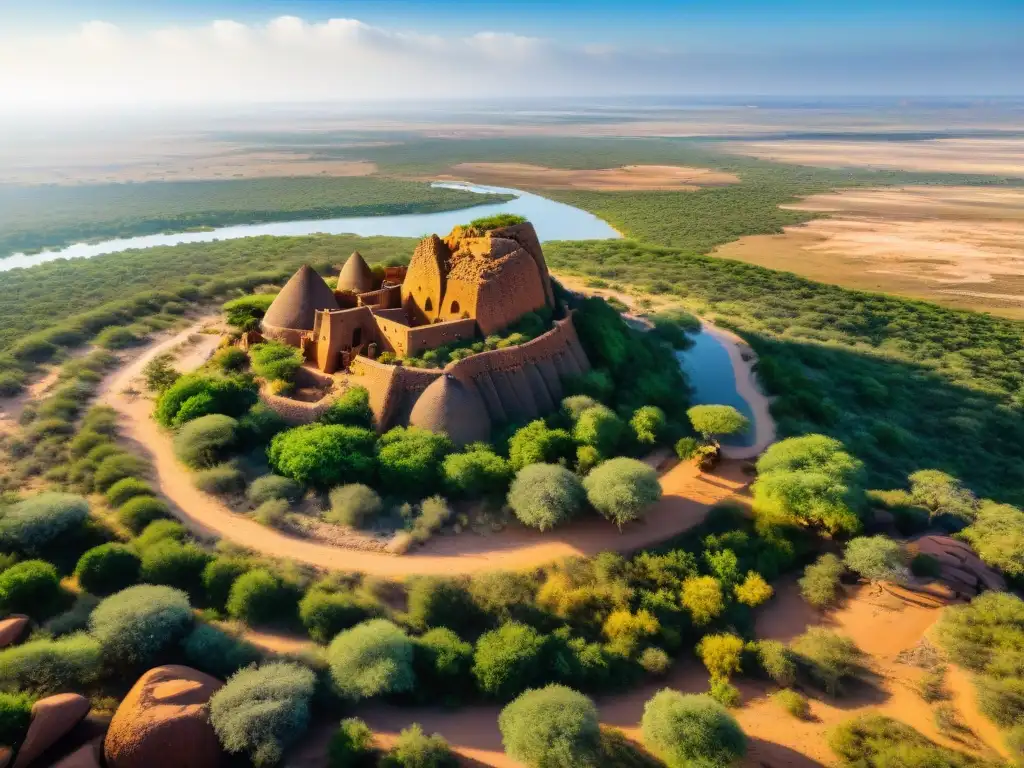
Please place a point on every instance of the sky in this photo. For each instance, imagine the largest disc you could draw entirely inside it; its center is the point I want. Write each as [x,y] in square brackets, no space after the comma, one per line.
[80,55]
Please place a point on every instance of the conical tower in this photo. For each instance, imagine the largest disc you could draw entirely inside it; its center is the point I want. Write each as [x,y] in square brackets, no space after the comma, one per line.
[356,276]
[296,305]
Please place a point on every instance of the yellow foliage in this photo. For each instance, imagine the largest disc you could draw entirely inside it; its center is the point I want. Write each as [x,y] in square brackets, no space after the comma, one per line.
[721,655]
[754,590]
[702,597]
[625,630]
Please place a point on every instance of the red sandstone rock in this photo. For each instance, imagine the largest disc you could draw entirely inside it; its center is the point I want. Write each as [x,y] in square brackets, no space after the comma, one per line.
[52,718]
[13,629]
[163,722]
[87,756]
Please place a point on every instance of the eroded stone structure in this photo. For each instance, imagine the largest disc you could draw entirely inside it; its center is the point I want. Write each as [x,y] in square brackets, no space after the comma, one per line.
[466,285]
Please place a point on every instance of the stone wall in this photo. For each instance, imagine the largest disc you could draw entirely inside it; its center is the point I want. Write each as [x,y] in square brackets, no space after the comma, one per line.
[437,335]
[347,329]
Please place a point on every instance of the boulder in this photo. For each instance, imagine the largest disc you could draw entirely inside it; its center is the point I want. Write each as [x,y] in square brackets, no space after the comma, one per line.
[163,722]
[52,718]
[13,629]
[87,756]
[6,755]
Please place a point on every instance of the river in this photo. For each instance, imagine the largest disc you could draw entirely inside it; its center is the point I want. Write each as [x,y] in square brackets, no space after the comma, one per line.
[553,221]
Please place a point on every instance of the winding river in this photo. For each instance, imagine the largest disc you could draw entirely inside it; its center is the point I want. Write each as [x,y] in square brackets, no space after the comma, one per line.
[553,220]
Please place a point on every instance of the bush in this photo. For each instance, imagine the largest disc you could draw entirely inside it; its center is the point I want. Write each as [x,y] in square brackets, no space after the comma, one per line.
[159,531]
[876,740]
[830,657]
[502,594]
[714,421]
[117,467]
[600,428]
[273,513]
[354,505]
[221,480]
[443,664]
[702,597]
[324,614]
[622,489]
[777,661]
[978,635]
[175,565]
[508,660]
[259,597]
[655,661]
[477,472]
[126,489]
[434,513]
[351,746]
[205,441]
[324,455]
[15,716]
[721,655]
[270,487]
[649,425]
[136,625]
[820,583]
[409,459]
[552,727]
[687,448]
[258,425]
[725,693]
[435,601]
[537,444]
[214,651]
[691,730]
[754,590]
[246,312]
[231,359]
[942,494]
[793,702]
[372,658]
[352,409]
[414,749]
[219,575]
[545,495]
[47,666]
[574,406]
[997,535]
[196,395]
[30,525]
[275,361]
[876,558]
[137,513]
[114,337]
[31,587]
[108,568]
[261,710]
[625,630]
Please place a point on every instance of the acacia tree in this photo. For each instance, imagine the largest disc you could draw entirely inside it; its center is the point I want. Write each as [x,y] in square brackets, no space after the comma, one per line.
[716,421]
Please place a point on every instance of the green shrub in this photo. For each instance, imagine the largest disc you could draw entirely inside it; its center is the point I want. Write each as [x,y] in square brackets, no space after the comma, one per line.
[997,535]
[777,661]
[649,425]
[434,512]
[793,703]
[220,480]
[536,443]
[820,583]
[702,597]
[125,489]
[503,594]
[46,666]
[354,505]
[942,494]
[159,531]
[117,467]
[622,489]
[1001,699]
[435,601]
[324,455]
[268,487]
[258,425]
[600,428]
[85,441]
[160,373]
[324,614]
[508,660]
[275,361]
[476,472]
[15,716]
[219,575]
[135,626]
[574,406]
[721,655]
[443,663]
[552,727]
[205,441]
[31,587]
[877,558]
[246,312]
[715,421]
[108,568]
[876,740]
[409,459]
[655,661]
[231,359]
[351,746]
[725,693]
[260,597]
[753,591]
[688,730]
[175,565]
[273,513]
[260,711]
[925,566]
[30,525]
[545,495]
[497,221]
[115,337]
[370,659]
[195,395]
[687,448]
[351,409]
[214,651]
[829,657]
[135,514]
[414,749]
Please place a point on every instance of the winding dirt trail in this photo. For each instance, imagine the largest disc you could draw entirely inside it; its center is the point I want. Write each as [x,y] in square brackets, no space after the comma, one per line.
[687,497]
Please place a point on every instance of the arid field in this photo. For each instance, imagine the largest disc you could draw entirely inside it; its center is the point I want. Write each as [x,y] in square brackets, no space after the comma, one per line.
[625,178]
[960,246]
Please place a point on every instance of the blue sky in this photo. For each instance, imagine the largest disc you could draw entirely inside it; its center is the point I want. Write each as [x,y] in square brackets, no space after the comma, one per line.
[787,47]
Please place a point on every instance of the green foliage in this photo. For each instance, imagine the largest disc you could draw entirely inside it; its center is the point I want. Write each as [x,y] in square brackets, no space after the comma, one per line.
[325,613]
[159,531]
[371,659]
[502,594]
[31,587]
[125,489]
[352,408]
[324,455]
[414,749]
[196,395]
[877,741]
[230,359]
[135,626]
[625,630]
[135,514]
[600,428]
[275,361]
[258,426]
[536,443]
[46,666]
[261,597]
[829,657]
[997,535]
[15,716]
[809,480]
[942,494]
[435,601]
[545,495]
[261,710]
[574,406]
[672,326]
[219,575]
[508,660]
[355,505]
[649,425]
[621,489]
[31,525]
[721,655]
[214,651]
[476,472]
[691,730]
[269,487]
[351,746]
[552,727]
[702,597]
[687,448]
[205,441]
[497,221]
[793,703]
[777,661]
[107,568]
[753,591]
[409,459]
[220,480]
[116,467]
[114,337]
[713,421]
[175,565]
[245,312]
[877,558]
[820,583]
[655,661]
[725,693]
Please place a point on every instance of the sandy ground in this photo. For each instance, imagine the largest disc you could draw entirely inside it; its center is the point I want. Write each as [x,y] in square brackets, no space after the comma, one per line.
[996,156]
[959,246]
[627,178]
[881,626]
[687,496]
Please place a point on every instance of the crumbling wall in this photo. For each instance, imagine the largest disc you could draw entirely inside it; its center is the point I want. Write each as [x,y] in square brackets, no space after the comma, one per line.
[509,292]
[424,285]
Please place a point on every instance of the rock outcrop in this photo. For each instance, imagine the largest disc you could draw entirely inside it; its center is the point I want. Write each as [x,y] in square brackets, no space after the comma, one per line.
[13,629]
[52,718]
[959,567]
[163,722]
[86,756]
